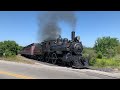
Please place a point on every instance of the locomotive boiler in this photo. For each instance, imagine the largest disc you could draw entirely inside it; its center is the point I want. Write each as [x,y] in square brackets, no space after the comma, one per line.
[68,52]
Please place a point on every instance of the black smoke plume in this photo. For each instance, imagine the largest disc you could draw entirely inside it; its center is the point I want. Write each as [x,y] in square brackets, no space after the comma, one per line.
[48,23]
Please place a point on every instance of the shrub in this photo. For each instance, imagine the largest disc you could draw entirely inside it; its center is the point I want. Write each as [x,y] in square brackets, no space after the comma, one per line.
[90,54]
[118,49]
[9,48]
[107,63]
[99,55]
[107,46]
[92,61]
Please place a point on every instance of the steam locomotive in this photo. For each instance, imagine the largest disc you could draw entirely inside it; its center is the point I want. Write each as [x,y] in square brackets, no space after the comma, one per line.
[60,50]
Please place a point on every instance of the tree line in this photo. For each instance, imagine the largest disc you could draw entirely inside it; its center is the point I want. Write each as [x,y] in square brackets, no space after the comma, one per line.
[104,48]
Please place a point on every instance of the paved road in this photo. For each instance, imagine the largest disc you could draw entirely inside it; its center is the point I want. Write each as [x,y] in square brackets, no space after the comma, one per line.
[12,70]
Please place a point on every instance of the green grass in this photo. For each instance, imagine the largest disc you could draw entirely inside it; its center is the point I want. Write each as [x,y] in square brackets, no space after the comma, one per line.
[18,59]
[113,63]
[107,62]
[117,57]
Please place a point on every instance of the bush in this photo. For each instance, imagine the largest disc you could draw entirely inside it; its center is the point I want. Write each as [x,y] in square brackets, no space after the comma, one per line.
[107,46]
[99,55]
[107,63]
[8,53]
[111,53]
[90,54]
[100,63]
[117,57]
[92,61]
[9,48]
[118,49]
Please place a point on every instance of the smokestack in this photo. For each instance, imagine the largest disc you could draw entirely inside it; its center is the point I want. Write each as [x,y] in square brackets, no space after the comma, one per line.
[73,35]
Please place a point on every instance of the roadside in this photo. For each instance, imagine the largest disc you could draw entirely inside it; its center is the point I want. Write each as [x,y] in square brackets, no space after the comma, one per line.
[46,71]
[106,65]
[105,69]
[18,59]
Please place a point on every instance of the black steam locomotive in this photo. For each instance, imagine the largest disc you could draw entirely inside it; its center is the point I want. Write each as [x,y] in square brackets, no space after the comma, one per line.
[60,50]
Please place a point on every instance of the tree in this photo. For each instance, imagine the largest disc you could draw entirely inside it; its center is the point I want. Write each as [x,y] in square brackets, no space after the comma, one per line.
[9,48]
[106,46]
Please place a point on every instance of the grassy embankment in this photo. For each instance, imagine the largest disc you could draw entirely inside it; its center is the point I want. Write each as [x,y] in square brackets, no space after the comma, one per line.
[113,63]
[18,59]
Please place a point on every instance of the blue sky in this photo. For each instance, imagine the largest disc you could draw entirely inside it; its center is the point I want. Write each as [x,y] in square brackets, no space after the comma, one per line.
[22,26]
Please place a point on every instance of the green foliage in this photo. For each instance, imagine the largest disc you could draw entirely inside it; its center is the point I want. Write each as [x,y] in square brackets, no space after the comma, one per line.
[118,49]
[117,57]
[99,55]
[92,61]
[90,54]
[107,46]
[107,63]
[105,53]
[9,48]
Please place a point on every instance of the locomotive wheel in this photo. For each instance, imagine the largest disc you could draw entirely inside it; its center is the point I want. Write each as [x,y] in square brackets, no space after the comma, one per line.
[70,64]
[47,58]
[40,58]
[63,63]
[69,57]
[54,58]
